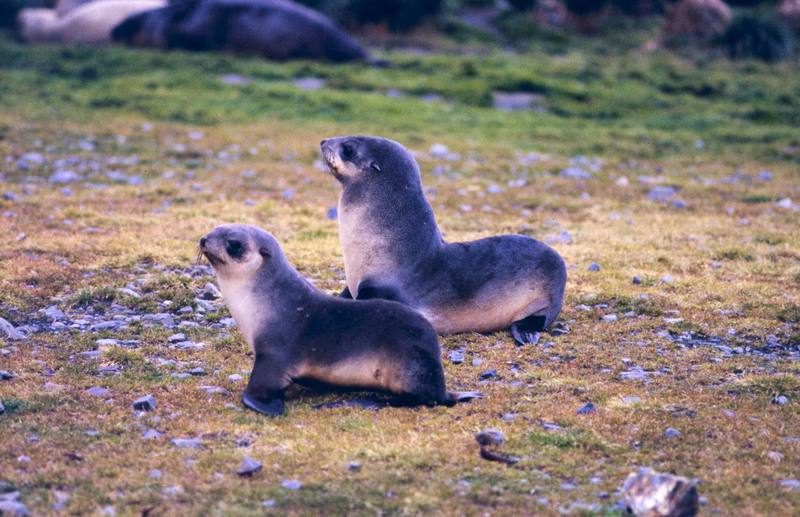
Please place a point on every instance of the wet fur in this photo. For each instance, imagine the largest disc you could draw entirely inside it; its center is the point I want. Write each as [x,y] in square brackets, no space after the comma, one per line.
[301,334]
[392,245]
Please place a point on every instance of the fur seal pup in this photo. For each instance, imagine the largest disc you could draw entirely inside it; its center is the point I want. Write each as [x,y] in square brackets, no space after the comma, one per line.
[275,29]
[88,24]
[301,334]
[393,249]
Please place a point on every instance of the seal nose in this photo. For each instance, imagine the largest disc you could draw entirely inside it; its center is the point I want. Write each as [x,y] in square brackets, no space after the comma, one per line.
[203,242]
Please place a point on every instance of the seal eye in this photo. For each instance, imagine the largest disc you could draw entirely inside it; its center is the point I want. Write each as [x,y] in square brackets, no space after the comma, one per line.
[234,248]
[348,152]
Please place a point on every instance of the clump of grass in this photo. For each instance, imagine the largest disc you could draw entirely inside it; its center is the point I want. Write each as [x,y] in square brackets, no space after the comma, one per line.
[772,240]
[734,254]
[647,306]
[580,439]
[97,297]
[789,313]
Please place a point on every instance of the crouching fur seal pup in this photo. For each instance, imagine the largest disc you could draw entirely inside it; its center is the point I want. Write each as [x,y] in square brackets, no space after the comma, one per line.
[88,24]
[301,334]
[393,249]
[275,29]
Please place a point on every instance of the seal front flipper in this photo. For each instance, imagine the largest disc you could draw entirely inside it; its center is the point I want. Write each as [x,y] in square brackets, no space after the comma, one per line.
[369,290]
[464,396]
[526,331]
[268,380]
[270,407]
[346,293]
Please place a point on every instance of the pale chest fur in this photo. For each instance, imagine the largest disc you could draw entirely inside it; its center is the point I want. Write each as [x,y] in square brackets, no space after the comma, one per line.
[362,247]
[244,306]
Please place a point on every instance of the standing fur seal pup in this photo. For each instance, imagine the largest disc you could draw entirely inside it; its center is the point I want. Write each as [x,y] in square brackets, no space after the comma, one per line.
[301,334]
[393,249]
[274,29]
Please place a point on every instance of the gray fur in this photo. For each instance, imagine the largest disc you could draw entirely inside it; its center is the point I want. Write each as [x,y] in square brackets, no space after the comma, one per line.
[301,334]
[392,247]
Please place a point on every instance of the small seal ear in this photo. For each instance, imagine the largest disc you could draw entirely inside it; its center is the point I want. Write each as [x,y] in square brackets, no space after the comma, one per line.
[375,166]
[264,252]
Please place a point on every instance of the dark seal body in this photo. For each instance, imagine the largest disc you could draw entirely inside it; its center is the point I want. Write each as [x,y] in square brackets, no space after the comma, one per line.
[300,334]
[393,249]
[274,29]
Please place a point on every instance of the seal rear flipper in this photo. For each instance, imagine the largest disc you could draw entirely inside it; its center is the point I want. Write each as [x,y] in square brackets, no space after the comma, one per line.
[269,407]
[526,331]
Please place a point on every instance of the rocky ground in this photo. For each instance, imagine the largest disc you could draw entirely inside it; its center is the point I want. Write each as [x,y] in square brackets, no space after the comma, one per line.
[121,370]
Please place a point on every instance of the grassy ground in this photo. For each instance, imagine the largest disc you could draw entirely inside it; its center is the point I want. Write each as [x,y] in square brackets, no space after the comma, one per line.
[703,344]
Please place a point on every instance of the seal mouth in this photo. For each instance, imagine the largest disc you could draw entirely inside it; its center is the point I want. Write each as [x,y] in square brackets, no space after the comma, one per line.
[213,259]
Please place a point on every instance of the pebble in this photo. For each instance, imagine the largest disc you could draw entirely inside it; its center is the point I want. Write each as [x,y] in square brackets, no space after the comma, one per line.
[107,342]
[636,280]
[53,313]
[775,456]
[9,331]
[353,466]
[780,400]
[213,390]
[235,80]
[517,101]
[155,474]
[210,292]
[332,213]
[2,408]
[671,432]
[292,484]
[235,377]
[662,193]
[187,443]
[608,318]
[151,434]
[790,484]
[6,375]
[594,266]
[456,356]
[575,173]
[490,436]
[146,403]
[587,409]
[309,83]
[488,374]
[439,151]
[631,400]
[13,509]
[65,176]
[97,391]
[175,338]
[785,203]
[197,372]
[249,467]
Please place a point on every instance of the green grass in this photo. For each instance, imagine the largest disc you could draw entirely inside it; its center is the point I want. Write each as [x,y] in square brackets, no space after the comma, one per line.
[675,119]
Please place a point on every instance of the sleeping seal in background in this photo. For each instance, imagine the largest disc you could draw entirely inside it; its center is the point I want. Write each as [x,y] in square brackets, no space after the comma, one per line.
[393,249]
[88,24]
[274,29]
[301,334]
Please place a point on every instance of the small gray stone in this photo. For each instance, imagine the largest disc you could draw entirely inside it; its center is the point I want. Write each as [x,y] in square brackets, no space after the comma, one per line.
[2,408]
[210,292]
[671,432]
[488,374]
[65,176]
[6,375]
[107,342]
[187,443]
[456,356]
[587,409]
[146,403]
[213,390]
[13,509]
[780,400]
[292,484]
[155,474]
[490,437]
[197,372]
[575,173]
[609,318]
[9,331]
[176,338]
[354,466]
[53,313]
[662,193]
[151,434]
[636,280]
[309,83]
[594,266]
[249,467]
[790,484]
[97,391]
[631,400]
